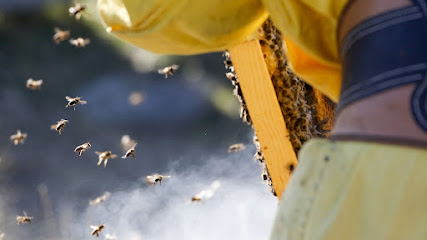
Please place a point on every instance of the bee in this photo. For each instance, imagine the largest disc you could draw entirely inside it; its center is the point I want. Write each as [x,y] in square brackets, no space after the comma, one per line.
[226,54]
[77,10]
[155,178]
[168,70]
[2,236]
[96,230]
[108,237]
[130,152]
[231,76]
[23,219]
[207,193]
[60,35]
[72,102]
[34,84]
[100,199]
[236,147]
[19,137]
[136,98]
[80,42]
[82,148]
[104,156]
[127,142]
[59,125]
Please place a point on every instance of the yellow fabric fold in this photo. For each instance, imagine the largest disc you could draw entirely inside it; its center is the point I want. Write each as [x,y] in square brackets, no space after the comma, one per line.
[183,27]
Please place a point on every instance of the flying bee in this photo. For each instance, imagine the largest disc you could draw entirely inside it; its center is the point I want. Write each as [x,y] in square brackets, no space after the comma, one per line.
[168,70]
[19,137]
[236,147]
[136,98]
[155,178]
[100,199]
[72,102]
[207,193]
[60,35]
[104,156]
[79,42]
[59,125]
[82,148]
[34,84]
[96,230]
[77,10]
[130,152]
[23,219]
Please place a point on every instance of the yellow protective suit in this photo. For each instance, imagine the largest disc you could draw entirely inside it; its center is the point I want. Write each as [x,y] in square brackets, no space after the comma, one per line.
[353,190]
[193,26]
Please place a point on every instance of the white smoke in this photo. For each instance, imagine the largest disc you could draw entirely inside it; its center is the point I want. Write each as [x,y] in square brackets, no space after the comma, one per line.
[241,208]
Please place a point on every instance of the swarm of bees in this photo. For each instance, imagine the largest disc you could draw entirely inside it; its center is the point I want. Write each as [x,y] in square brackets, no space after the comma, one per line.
[237,91]
[23,219]
[236,147]
[155,178]
[82,148]
[59,125]
[130,152]
[79,42]
[207,193]
[168,70]
[72,102]
[96,230]
[60,35]
[77,10]
[34,84]
[104,156]
[100,199]
[19,137]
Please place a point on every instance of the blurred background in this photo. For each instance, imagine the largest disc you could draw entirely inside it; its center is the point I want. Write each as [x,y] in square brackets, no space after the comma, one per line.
[183,126]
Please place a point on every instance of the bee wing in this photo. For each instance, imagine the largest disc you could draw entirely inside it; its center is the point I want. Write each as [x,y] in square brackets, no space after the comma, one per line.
[87,41]
[53,127]
[83,102]
[98,153]
[57,30]
[93,227]
[134,146]
[124,156]
[67,97]
[174,67]
[162,71]
[166,177]
[113,156]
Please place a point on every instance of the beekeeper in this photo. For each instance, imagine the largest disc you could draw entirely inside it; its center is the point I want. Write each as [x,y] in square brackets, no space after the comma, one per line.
[370,56]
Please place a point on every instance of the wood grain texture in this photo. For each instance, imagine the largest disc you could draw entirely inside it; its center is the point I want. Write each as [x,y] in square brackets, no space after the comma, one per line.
[265,112]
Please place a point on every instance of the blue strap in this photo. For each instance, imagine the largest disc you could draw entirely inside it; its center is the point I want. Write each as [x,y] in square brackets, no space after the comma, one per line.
[388,51]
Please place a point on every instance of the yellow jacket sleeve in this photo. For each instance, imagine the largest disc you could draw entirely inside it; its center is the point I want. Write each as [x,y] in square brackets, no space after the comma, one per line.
[183,27]
[193,26]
